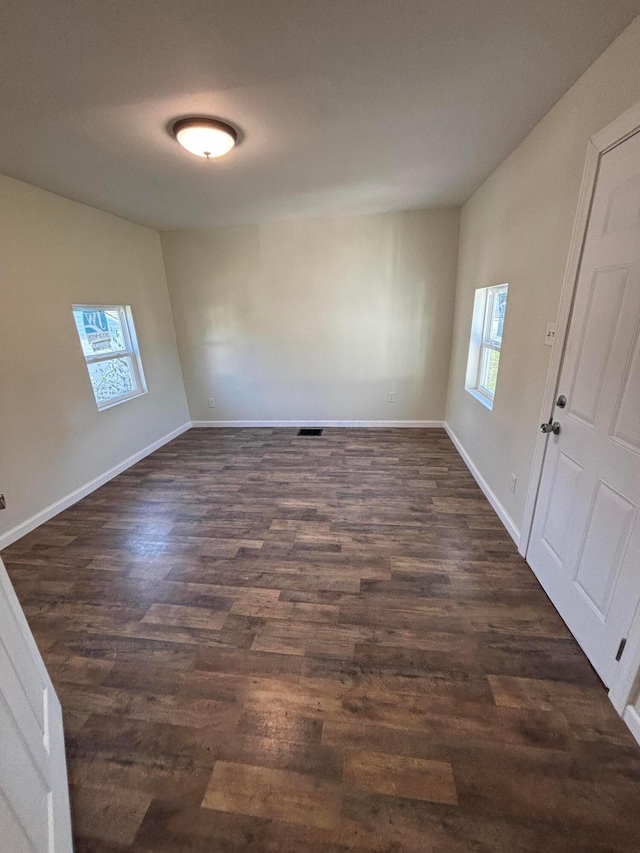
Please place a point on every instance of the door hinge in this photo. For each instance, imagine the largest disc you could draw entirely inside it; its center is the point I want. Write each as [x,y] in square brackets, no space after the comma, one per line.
[623,643]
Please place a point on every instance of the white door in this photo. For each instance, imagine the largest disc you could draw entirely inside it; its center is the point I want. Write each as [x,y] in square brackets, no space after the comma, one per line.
[34,797]
[585,543]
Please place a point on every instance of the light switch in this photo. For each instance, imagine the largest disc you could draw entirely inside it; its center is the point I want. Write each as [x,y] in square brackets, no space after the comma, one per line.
[550,335]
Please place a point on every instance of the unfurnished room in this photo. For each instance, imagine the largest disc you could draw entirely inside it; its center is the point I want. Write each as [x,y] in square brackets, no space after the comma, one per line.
[320,443]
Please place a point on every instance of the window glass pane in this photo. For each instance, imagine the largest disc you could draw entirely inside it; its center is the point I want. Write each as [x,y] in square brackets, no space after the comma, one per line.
[112,378]
[496,317]
[489,370]
[100,331]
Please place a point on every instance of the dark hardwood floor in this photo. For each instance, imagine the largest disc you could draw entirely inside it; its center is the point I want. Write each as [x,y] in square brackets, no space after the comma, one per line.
[317,645]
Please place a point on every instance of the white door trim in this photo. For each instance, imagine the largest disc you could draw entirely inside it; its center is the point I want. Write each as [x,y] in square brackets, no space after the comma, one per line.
[613,134]
[589,176]
[624,686]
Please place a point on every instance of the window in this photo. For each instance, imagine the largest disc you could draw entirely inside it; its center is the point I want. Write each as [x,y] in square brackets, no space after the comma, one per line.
[486,340]
[110,348]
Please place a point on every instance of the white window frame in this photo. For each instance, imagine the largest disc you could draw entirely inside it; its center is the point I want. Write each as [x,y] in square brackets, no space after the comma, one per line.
[132,350]
[481,343]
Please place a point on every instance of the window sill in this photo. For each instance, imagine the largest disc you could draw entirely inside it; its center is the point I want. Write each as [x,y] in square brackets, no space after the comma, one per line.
[487,402]
[121,400]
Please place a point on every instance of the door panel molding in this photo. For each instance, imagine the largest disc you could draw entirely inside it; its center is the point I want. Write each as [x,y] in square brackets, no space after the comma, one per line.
[559,514]
[600,322]
[601,528]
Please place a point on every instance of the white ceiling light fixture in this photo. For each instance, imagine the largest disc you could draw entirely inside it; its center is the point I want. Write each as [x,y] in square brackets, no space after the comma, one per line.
[205,137]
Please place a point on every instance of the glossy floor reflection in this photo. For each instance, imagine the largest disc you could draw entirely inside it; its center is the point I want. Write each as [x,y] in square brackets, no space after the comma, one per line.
[265,642]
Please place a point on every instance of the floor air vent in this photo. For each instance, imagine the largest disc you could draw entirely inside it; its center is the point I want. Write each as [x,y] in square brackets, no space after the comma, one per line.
[309,432]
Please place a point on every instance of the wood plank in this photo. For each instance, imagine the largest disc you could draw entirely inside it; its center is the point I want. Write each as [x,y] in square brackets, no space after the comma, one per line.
[401,776]
[277,794]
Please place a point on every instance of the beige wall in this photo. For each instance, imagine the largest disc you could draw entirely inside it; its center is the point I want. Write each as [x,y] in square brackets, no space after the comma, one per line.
[54,252]
[517,228]
[317,319]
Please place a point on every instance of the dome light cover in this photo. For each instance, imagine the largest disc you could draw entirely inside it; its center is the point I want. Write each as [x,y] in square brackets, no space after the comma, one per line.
[205,137]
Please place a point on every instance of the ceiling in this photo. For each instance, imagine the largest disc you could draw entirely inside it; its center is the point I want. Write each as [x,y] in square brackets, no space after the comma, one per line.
[346,106]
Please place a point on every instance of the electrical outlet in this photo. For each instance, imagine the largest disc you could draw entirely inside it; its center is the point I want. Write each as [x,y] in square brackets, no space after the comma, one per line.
[212,402]
[514,482]
[391,397]
[550,334]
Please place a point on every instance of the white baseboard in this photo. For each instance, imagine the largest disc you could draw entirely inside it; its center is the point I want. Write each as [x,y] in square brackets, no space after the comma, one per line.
[320,423]
[68,500]
[503,515]
[632,719]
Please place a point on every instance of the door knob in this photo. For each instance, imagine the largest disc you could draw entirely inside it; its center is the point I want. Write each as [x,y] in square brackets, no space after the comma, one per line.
[550,427]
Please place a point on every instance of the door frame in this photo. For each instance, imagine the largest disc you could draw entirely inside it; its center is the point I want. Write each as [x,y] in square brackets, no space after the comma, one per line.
[613,134]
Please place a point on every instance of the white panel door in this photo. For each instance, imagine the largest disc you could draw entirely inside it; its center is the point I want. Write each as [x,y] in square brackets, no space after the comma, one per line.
[34,797]
[585,543]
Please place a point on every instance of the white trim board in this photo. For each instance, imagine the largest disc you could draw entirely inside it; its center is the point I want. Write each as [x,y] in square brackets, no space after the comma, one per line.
[503,515]
[632,719]
[625,687]
[48,512]
[587,189]
[320,423]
